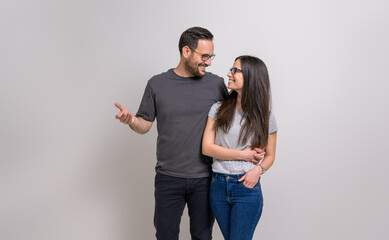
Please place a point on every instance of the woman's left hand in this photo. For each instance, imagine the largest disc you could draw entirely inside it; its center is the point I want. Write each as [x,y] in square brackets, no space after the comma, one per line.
[251,177]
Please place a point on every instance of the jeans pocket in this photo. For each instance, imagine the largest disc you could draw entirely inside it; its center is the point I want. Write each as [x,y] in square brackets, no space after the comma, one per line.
[255,188]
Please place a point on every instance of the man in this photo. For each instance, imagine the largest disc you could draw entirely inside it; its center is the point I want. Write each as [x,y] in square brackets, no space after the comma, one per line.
[180,99]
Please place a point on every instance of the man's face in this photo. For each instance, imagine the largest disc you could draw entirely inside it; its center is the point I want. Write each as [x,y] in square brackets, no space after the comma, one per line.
[195,64]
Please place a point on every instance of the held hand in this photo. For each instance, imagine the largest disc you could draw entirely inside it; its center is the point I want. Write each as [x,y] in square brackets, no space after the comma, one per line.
[258,155]
[251,177]
[125,115]
[248,154]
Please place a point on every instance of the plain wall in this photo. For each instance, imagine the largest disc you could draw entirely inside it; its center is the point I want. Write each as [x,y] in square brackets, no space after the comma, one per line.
[70,170]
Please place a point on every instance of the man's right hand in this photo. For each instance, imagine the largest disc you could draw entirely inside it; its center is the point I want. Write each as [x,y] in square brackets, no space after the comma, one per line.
[258,156]
[125,115]
[248,154]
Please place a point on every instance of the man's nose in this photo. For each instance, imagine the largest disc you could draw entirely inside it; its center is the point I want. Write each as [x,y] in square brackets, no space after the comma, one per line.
[208,62]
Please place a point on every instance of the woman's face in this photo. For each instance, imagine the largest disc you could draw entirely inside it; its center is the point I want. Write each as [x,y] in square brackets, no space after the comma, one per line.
[235,77]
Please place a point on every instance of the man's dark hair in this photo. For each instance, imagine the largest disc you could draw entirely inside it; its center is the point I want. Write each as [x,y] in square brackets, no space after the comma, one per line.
[191,37]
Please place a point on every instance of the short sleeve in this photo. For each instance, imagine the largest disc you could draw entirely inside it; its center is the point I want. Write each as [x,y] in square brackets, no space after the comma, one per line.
[147,106]
[272,123]
[213,110]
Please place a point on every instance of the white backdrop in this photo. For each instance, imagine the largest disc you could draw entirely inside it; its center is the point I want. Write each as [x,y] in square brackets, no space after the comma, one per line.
[70,170]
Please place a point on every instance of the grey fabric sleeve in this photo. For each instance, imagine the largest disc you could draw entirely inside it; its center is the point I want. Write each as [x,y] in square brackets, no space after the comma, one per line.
[213,110]
[272,123]
[147,106]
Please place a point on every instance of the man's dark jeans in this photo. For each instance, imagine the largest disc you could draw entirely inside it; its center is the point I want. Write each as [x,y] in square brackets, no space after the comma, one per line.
[171,195]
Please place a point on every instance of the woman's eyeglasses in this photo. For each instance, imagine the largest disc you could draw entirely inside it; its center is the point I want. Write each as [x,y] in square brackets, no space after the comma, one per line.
[234,70]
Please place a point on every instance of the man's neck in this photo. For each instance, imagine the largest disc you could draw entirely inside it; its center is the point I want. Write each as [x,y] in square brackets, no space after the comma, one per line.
[181,71]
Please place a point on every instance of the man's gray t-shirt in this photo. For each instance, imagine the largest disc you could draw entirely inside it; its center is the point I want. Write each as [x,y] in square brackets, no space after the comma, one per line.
[231,140]
[181,106]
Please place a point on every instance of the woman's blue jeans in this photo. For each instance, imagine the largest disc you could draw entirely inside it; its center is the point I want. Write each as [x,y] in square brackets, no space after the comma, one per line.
[237,209]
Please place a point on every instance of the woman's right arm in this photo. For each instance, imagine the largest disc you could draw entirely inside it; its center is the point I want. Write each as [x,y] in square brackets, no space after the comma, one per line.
[209,147]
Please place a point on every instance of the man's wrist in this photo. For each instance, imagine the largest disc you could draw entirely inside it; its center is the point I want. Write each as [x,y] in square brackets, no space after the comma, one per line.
[133,124]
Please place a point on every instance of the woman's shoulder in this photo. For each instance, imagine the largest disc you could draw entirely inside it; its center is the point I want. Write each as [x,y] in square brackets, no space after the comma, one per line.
[214,109]
[218,103]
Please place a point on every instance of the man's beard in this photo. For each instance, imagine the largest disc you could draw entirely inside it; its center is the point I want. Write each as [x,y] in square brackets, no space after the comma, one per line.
[194,69]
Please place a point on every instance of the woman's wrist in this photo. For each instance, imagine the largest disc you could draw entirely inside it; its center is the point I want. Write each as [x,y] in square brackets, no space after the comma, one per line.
[263,170]
[258,169]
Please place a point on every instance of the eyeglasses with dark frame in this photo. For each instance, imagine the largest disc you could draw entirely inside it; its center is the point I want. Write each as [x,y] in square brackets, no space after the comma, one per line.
[234,70]
[205,57]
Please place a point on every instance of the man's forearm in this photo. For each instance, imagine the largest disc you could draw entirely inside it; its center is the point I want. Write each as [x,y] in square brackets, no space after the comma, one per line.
[140,125]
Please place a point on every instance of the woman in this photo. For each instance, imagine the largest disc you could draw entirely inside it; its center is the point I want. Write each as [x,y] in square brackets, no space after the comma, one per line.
[237,128]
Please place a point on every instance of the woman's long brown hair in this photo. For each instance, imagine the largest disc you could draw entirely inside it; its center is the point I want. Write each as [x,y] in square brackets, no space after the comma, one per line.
[256,103]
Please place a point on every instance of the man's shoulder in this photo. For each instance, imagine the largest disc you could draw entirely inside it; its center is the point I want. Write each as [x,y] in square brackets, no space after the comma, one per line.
[213,76]
[160,79]
[214,80]
[162,75]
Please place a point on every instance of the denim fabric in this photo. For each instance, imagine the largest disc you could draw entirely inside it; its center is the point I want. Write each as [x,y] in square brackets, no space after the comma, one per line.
[237,209]
[171,195]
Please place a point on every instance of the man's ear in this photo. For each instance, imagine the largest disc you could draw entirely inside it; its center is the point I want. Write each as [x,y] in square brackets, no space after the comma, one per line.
[186,52]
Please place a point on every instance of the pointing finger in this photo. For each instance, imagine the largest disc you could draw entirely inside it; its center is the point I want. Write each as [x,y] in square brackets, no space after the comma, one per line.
[118,106]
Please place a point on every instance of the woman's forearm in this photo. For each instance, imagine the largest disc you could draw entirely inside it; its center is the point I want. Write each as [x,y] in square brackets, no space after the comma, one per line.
[270,150]
[209,147]
[267,161]
[223,153]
